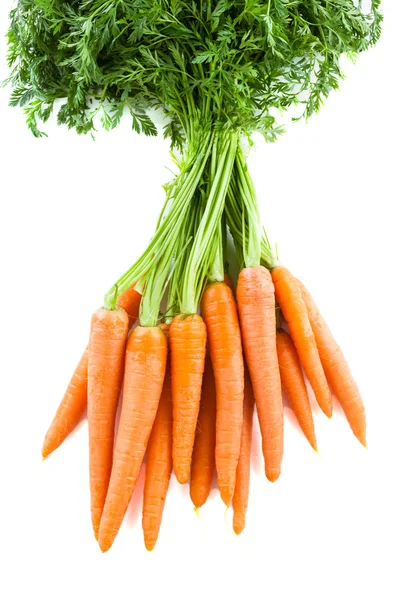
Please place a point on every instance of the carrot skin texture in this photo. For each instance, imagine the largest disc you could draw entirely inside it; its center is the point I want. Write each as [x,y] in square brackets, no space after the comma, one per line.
[70,410]
[187,336]
[145,364]
[107,341]
[158,465]
[241,496]
[294,385]
[129,300]
[74,402]
[219,311]
[337,370]
[256,304]
[295,312]
[203,459]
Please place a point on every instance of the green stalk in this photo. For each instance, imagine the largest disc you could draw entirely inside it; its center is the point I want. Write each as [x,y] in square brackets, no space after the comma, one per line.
[166,232]
[203,251]
[241,210]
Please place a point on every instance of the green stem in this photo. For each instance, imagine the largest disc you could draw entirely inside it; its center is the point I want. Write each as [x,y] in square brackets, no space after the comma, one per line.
[203,251]
[161,241]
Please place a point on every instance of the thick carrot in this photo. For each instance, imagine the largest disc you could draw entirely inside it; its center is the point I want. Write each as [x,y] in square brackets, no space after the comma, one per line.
[109,329]
[145,364]
[159,464]
[256,304]
[203,460]
[337,370]
[295,312]
[70,410]
[74,402]
[219,311]
[187,336]
[241,496]
[294,385]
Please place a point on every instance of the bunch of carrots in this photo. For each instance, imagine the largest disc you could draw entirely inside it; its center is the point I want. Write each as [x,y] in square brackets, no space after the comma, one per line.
[192,353]
[191,374]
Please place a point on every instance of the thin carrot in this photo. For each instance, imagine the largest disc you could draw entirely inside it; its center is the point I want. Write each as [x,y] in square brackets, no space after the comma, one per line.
[256,304]
[203,460]
[70,410]
[219,311]
[145,364]
[294,385]
[129,300]
[336,369]
[74,402]
[228,281]
[241,496]
[187,336]
[107,341]
[295,312]
[159,464]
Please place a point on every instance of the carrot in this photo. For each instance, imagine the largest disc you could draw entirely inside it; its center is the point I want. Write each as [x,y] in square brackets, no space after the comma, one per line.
[241,496]
[159,464]
[74,402]
[203,460]
[70,410]
[187,336]
[145,364]
[129,300]
[295,312]
[108,332]
[228,281]
[336,369]
[219,311]
[294,385]
[256,304]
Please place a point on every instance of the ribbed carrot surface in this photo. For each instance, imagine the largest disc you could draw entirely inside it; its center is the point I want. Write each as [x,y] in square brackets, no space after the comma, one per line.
[187,336]
[145,363]
[71,408]
[256,304]
[105,371]
[158,464]
[203,459]
[241,496]
[294,385]
[337,370]
[74,402]
[295,312]
[218,308]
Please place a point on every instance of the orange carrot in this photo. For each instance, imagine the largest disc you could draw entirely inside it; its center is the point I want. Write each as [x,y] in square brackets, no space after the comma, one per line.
[108,332]
[74,402]
[187,336]
[145,364]
[294,385]
[337,370]
[129,300]
[228,281]
[241,496]
[256,304]
[218,308]
[295,312]
[71,408]
[203,460]
[159,464]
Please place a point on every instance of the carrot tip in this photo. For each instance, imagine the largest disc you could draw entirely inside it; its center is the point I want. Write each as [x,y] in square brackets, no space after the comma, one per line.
[272,474]
[197,511]
[238,528]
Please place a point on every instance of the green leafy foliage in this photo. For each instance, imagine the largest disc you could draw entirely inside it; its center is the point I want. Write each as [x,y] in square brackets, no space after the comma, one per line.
[227,62]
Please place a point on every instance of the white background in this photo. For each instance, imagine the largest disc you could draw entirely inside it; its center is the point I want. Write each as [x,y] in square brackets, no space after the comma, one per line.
[74,215]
